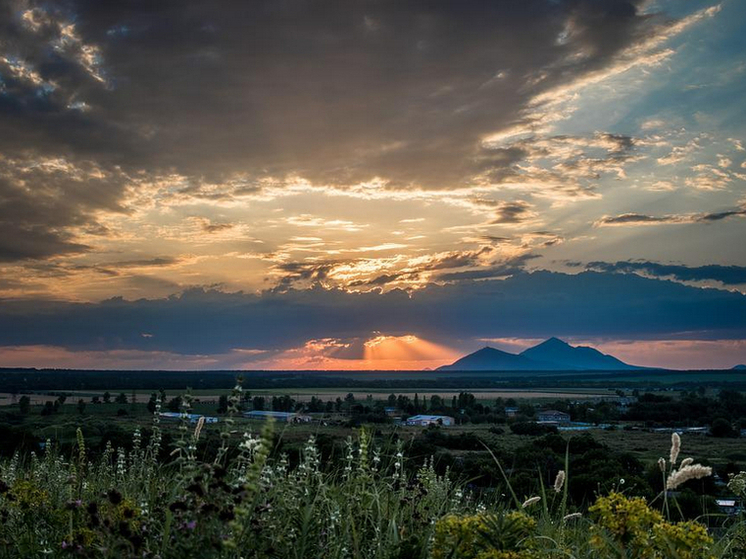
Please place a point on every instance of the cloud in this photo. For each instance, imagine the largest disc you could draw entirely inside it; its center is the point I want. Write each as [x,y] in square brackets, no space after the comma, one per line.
[529,305]
[287,89]
[46,203]
[636,219]
[727,275]
[383,100]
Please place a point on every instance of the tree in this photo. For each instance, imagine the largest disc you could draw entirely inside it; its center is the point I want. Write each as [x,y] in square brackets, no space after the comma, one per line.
[24,404]
[258,403]
[121,399]
[721,427]
[81,406]
[107,397]
[151,402]
[174,404]
[223,404]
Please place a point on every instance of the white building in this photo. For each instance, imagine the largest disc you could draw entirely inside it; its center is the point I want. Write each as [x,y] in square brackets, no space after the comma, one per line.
[553,416]
[191,417]
[424,420]
[281,416]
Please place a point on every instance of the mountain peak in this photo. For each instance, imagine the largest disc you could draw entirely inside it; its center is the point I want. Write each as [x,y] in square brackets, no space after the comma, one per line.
[554,341]
[564,355]
[550,355]
[491,359]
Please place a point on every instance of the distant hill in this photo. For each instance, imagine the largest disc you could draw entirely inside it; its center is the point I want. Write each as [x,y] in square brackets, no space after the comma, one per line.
[741,367]
[551,355]
[491,359]
[566,356]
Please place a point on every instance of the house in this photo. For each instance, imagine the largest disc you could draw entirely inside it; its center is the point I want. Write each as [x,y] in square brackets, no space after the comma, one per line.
[191,417]
[281,416]
[552,416]
[511,412]
[425,420]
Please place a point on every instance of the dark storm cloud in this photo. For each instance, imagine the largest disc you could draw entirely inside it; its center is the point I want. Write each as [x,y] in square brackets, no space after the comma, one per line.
[727,275]
[530,305]
[334,91]
[44,200]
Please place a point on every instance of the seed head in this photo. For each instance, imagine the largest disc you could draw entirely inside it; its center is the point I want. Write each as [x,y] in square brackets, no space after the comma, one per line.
[531,501]
[559,481]
[682,475]
[675,447]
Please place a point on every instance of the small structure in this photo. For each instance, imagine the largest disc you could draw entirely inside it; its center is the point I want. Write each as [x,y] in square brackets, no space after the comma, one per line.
[281,416]
[553,416]
[511,411]
[425,420]
[191,417]
[731,507]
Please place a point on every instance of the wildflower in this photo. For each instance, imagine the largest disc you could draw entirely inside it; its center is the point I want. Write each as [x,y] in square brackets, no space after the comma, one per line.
[675,447]
[559,481]
[662,464]
[621,481]
[572,516]
[531,501]
[682,475]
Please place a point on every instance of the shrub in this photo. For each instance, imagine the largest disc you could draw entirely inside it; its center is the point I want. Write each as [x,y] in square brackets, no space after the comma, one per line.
[531,428]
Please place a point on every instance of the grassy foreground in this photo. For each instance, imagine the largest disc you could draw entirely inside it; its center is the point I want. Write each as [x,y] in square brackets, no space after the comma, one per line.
[249,503]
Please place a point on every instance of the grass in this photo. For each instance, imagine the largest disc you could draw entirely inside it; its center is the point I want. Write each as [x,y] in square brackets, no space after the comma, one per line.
[249,501]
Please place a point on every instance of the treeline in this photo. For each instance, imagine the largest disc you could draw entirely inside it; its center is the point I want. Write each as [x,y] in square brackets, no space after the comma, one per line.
[34,380]
[725,413]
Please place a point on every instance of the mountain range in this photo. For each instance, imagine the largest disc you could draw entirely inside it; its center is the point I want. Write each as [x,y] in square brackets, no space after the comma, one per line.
[550,355]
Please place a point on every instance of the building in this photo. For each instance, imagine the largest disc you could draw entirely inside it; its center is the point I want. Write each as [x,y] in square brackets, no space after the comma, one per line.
[511,411]
[191,417]
[731,507]
[425,420]
[281,416]
[553,416]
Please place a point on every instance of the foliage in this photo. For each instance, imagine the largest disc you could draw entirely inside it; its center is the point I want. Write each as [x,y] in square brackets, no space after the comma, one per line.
[628,527]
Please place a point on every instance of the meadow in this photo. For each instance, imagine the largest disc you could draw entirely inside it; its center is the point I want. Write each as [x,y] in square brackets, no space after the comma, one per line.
[95,474]
[246,497]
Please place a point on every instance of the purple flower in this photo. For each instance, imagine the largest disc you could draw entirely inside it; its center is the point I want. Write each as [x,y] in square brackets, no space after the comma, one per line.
[191,525]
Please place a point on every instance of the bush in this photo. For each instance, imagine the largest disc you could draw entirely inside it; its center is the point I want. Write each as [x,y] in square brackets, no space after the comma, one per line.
[532,429]
[721,427]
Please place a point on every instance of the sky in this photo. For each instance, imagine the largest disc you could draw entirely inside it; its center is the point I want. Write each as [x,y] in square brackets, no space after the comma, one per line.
[370,184]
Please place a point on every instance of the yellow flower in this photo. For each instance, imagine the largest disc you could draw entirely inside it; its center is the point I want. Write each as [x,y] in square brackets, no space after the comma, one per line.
[628,526]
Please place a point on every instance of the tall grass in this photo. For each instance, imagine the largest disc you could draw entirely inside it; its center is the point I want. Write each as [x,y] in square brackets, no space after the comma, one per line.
[248,502]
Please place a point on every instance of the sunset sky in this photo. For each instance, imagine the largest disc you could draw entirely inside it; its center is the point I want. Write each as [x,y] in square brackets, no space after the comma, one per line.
[364,184]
